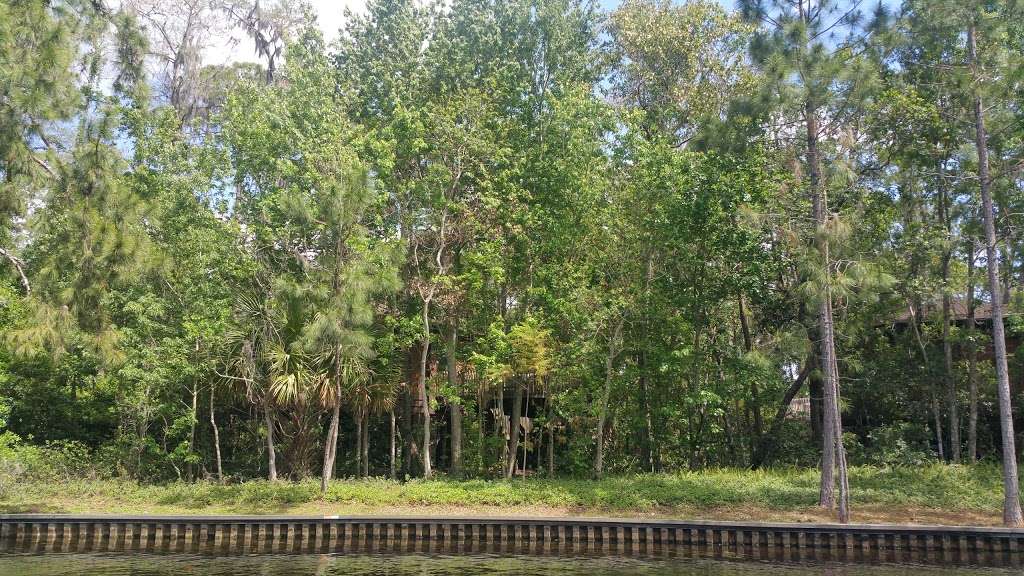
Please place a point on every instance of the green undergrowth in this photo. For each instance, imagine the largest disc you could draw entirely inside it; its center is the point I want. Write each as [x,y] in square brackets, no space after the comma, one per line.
[936,486]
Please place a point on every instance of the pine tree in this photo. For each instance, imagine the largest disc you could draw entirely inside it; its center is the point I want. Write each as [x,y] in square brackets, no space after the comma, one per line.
[809,52]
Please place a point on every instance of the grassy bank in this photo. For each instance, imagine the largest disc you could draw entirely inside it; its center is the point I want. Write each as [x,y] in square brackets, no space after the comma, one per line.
[931,494]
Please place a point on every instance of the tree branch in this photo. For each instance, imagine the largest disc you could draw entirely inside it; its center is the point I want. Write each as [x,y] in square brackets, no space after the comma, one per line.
[19,265]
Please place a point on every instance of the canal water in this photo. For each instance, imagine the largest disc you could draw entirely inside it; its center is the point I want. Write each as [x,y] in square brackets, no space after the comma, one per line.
[138,564]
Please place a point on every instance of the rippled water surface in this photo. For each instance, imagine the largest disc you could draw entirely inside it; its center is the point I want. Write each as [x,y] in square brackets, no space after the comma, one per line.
[431,565]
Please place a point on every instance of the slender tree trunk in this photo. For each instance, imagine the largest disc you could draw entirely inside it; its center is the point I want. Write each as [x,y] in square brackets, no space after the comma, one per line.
[192,430]
[195,414]
[826,345]
[972,362]
[359,443]
[513,425]
[551,448]
[816,397]
[1011,487]
[648,440]
[755,394]
[937,416]
[602,414]
[650,447]
[216,439]
[331,445]
[393,470]
[915,318]
[365,446]
[954,412]
[947,344]
[425,350]
[405,427]
[456,407]
[837,421]
[268,420]
[481,432]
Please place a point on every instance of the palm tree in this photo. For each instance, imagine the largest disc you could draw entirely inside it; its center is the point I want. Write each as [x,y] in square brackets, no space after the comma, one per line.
[254,333]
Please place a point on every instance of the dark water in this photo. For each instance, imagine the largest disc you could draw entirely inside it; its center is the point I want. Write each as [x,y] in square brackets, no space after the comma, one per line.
[435,565]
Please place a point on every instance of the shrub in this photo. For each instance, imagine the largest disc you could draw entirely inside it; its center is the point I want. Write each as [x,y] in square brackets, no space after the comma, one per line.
[55,461]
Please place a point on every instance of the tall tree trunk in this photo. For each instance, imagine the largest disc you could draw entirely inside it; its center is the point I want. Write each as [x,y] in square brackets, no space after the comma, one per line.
[650,446]
[614,344]
[268,420]
[915,319]
[1011,488]
[826,494]
[947,344]
[972,362]
[755,401]
[456,407]
[837,420]
[216,439]
[424,351]
[816,396]
[954,412]
[331,445]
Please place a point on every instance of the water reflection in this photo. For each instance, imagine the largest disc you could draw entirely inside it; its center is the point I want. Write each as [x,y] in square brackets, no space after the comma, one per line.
[381,564]
[215,539]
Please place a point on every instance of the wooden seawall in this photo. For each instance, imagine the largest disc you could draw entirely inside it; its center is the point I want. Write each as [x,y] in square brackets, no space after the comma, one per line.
[34,533]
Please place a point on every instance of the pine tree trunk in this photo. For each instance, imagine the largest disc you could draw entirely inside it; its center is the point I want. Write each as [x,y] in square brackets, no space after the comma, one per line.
[826,344]
[1011,488]
[972,362]
[331,445]
[216,439]
[816,395]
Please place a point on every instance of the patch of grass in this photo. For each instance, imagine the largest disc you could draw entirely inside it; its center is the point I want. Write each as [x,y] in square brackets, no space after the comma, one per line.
[937,487]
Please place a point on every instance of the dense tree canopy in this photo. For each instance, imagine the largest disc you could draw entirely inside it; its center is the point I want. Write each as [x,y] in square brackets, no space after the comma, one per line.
[492,238]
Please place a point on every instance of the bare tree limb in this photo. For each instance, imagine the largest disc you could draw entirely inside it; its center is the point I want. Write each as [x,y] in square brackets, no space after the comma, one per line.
[19,265]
